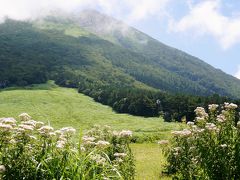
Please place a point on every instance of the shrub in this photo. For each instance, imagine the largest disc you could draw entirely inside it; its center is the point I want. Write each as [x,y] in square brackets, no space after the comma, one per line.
[210,148]
[31,150]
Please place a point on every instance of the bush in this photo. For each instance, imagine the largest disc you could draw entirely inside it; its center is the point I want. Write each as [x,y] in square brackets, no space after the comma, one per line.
[210,148]
[31,150]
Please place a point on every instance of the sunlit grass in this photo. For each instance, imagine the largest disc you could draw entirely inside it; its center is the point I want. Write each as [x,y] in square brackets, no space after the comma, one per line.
[149,161]
[66,107]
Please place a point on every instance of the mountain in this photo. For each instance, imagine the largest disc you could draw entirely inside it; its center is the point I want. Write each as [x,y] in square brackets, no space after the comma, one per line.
[156,64]
[115,64]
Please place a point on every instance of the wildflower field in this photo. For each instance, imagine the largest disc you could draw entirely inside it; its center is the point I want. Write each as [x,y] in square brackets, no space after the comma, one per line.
[62,107]
[63,141]
[32,150]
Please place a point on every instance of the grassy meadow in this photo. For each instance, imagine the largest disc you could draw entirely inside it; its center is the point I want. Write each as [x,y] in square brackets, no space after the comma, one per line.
[65,107]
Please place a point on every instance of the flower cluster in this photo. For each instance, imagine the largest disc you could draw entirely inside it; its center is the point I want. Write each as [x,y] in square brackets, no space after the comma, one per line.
[209,148]
[30,149]
[114,144]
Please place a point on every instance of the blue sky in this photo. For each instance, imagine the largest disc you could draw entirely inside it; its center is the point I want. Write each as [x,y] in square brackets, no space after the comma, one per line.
[207,29]
[213,37]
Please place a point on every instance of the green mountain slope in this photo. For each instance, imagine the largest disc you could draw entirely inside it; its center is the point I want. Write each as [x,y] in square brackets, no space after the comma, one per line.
[29,55]
[126,70]
[81,46]
[166,67]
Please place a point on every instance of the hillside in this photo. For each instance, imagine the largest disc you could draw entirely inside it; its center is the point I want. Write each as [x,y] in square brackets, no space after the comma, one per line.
[66,107]
[163,67]
[126,70]
[93,41]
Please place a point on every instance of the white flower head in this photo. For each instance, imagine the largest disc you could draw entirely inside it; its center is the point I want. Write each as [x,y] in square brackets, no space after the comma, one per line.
[45,130]
[30,123]
[9,120]
[211,127]
[221,118]
[5,127]
[24,117]
[163,142]
[26,127]
[189,123]
[102,144]
[212,107]
[183,133]
[223,145]
[87,138]
[68,131]
[230,106]
[121,155]
[125,133]
[98,159]
[2,169]
[60,144]
[238,124]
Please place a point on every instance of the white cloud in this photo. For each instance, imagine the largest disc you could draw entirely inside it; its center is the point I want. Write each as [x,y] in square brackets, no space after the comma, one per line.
[237,74]
[132,10]
[206,18]
[142,9]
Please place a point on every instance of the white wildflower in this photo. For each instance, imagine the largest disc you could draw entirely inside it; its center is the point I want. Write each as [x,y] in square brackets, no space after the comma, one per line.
[120,155]
[212,107]
[30,123]
[62,138]
[200,119]
[102,144]
[115,133]
[125,133]
[89,143]
[98,159]
[45,129]
[12,141]
[119,160]
[238,124]
[58,132]
[177,149]
[230,106]
[24,117]
[189,123]
[2,169]
[223,145]
[52,134]
[87,138]
[10,120]
[82,148]
[68,130]
[26,127]
[39,124]
[163,142]
[221,118]
[200,112]
[211,127]
[200,130]
[5,127]
[183,133]
[60,144]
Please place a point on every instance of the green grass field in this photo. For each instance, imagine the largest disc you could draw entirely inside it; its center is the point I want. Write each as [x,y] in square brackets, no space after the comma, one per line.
[65,107]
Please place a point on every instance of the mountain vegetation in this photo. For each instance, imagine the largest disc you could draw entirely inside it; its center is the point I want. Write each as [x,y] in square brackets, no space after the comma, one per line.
[115,64]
